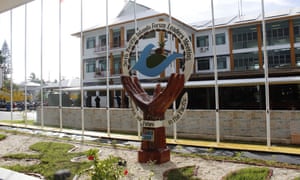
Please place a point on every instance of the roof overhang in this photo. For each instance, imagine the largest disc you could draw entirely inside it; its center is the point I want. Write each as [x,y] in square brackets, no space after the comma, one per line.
[6,5]
[205,83]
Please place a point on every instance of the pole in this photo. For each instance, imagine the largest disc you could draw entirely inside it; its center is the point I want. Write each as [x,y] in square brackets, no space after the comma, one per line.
[107,73]
[25,59]
[266,72]
[59,66]
[81,71]
[11,73]
[41,85]
[174,70]
[136,57]
[215,73]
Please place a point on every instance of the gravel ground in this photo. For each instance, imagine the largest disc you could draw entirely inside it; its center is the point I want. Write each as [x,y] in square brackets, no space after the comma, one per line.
[207,169]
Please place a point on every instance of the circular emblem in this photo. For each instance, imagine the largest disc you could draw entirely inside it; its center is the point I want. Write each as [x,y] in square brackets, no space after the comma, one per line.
[155,69]
[188,55]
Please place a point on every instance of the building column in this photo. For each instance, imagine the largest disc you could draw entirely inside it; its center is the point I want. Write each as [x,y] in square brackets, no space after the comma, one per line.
[111,64]
[259,45]
[111,36]
[292,42]
[231,50]
[193,44]
[122,34]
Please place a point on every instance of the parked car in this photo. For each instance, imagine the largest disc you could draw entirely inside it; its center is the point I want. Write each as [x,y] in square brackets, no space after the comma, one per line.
[8,104]
[2,104]
[29,105]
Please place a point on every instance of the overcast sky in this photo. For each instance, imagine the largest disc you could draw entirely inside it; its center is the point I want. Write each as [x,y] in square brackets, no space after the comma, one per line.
[94,13]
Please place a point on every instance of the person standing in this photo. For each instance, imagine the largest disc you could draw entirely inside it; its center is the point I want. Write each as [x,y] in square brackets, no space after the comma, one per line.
[97,100]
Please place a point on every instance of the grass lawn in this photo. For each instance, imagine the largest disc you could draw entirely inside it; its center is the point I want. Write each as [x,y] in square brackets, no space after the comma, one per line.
[53,156]
[252,173]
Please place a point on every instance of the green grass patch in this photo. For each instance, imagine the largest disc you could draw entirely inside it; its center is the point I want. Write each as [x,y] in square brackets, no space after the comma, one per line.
[252,173]
[2,136]
[53,156]
[184,173]
[28,122]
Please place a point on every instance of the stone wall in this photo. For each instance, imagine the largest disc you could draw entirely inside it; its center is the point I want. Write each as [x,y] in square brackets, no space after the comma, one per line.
[236,125]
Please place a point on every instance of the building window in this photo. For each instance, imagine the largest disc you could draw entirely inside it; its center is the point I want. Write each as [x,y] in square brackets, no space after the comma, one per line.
[279,58]
[245,37]
[222,62]
[116,38]
[297,54]
[117,64]
[202,64]
[102,64]
[129,34]
[90,42]
[150,35]
[102,40]
[90,67]
[297,30]
[246,61]
[202,41]
[101,43]
[132,62]
[220,39]
[277,33]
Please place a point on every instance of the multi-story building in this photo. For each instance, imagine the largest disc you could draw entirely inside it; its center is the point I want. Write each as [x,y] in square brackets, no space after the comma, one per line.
[239,53]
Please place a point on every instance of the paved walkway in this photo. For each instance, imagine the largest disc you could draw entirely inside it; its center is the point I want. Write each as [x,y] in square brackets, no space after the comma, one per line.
[6,174]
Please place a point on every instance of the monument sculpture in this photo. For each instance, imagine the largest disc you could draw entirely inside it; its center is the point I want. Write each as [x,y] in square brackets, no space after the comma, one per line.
[153,146]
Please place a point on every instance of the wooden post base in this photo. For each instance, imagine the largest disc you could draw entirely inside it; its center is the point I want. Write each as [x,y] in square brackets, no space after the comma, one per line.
[154,147]
[158,156]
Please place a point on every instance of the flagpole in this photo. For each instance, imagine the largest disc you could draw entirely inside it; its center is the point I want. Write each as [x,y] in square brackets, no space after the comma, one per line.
[136,58]
[215,74]
[11,64]
[107,72]
[174,70]
[59,66]
[25,74]
[266,71]
[81,72]
[41,83]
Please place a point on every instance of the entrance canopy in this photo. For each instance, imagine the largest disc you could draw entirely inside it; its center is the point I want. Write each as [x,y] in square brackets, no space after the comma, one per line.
[6,5]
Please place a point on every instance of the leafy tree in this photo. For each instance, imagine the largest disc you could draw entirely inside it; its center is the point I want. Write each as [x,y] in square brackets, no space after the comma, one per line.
[5,60]
[33,78]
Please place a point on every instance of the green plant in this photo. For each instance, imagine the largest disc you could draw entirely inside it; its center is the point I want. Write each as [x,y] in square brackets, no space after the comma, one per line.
[2,136]
[111,168]
[252,173]
[92,154]
[162,43]
[238,156]
[184,173]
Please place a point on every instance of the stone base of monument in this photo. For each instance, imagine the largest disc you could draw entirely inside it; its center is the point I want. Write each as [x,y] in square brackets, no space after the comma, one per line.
[158,156]
[154,148]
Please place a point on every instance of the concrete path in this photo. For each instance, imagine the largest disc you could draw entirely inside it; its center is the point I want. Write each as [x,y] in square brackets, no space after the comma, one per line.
[6,174]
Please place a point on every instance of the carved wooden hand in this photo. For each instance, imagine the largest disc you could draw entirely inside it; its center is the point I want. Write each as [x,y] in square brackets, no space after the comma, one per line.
[154,106]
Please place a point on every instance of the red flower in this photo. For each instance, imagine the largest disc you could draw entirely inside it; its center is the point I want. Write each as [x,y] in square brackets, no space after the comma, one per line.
[91,158]
[125,172]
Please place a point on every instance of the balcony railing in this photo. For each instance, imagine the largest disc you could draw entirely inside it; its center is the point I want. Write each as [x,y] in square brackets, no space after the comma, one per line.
[100,48]
[112,46]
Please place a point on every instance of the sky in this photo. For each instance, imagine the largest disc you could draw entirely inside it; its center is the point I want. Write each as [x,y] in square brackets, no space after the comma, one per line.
[94,13]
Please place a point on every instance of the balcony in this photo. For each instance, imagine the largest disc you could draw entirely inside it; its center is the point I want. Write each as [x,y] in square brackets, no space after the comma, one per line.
[101,48]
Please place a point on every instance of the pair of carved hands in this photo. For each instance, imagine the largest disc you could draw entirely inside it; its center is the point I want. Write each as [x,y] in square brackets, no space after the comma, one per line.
[161,99]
